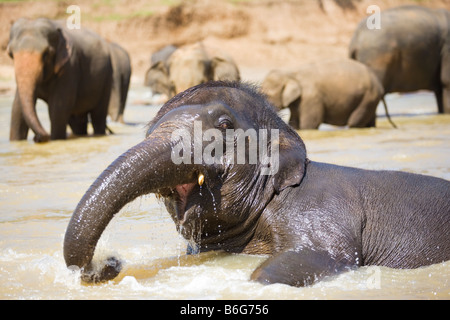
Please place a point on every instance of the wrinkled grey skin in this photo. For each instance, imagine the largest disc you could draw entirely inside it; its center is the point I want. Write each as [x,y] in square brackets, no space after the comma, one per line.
[69,69]
[313,219]
[178,69]
[410,52]
[121,65]
[338,92]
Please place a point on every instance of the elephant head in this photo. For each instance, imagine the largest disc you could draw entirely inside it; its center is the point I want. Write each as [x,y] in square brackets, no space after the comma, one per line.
[157,78]
[198,156]
[281,89]
[189,66]
[39,49]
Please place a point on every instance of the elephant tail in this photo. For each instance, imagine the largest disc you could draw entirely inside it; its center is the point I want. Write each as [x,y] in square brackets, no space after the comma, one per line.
[352,53]
[387,113]
[109,130]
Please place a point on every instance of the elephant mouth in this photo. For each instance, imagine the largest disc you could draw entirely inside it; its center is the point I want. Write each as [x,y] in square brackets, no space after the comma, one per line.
[182,194]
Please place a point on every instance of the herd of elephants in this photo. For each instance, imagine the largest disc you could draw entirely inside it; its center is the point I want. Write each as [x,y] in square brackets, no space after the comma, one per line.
[312,219]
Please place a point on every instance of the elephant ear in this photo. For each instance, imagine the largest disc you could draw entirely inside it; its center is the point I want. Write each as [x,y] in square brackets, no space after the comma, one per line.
[63,51]
[291,92]
[160,66]
[158,79]
[291,160]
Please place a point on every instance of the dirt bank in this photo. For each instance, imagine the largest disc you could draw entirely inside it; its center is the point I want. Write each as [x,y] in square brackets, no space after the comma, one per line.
[259,34]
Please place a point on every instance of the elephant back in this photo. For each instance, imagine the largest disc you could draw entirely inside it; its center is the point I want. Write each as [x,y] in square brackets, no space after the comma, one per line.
[198,63]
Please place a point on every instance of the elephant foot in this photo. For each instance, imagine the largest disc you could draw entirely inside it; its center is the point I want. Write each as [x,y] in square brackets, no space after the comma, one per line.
[110,270]
[40,138]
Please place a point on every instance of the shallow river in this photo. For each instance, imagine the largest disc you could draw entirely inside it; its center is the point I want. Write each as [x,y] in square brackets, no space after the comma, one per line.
[40,185]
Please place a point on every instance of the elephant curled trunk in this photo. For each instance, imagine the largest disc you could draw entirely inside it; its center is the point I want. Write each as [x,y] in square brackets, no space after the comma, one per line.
[29,69]
[140,170]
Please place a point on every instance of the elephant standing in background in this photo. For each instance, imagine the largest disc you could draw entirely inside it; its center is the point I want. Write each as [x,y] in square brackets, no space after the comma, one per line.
[121,81]
[338,92]
[69,69]
[188,66]
[410,52]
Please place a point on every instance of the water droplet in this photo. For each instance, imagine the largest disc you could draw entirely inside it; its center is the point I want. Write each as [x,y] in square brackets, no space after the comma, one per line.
[213,200]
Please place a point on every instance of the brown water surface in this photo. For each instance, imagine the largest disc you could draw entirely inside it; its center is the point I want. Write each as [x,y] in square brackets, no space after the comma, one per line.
[40,185]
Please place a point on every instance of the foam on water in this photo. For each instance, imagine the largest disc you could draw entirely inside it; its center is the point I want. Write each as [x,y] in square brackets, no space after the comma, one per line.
[45,276]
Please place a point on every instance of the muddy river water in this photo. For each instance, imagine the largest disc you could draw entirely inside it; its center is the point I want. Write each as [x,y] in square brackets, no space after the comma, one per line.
[40,185]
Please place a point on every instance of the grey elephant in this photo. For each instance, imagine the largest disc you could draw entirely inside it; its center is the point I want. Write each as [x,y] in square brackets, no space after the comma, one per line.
[69,69]
[312,219]
[121,65]
[338,92]
[188,66]
[410,52]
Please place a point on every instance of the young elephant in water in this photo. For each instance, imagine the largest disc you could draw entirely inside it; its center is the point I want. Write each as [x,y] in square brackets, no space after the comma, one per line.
[337,92]
[312,219]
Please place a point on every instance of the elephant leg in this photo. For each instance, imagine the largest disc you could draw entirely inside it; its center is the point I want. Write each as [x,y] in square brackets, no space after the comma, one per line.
[114,102]
[439,94]
[99,114]
[19,128]
[312,114]
[307,123]
[79,124]
[99,122]
[444,94]
[294,121]
[443,99]
[298,268]
[364,115]
[446,100]
[123,99]
[58,125]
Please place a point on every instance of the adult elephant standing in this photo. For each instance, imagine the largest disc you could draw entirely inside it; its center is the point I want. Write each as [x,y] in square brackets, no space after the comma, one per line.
[69,69]
[410,52]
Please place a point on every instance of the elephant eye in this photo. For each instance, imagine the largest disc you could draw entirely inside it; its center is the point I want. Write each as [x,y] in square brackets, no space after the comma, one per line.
[224,122]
